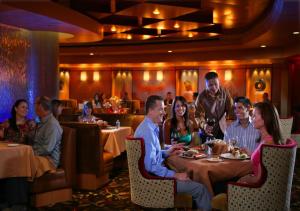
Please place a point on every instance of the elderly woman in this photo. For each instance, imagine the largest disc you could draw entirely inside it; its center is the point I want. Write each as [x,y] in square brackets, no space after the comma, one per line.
[178,129]
[18,128]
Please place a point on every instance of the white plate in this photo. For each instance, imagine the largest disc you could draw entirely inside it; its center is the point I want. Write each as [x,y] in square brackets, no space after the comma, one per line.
[214,160]
[230,156]
[12,145]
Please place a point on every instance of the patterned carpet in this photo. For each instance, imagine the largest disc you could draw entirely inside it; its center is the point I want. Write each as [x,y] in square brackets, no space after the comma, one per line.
[116,196]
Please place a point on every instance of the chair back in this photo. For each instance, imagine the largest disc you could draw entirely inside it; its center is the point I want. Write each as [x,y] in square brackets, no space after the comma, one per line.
[137,119]
[275,192]
[88,145]
[286,127]
[147,190]
[68,155]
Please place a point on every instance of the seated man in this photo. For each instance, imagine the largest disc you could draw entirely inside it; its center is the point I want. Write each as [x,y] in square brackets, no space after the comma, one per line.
[242,129]
[154,155]
[47,139]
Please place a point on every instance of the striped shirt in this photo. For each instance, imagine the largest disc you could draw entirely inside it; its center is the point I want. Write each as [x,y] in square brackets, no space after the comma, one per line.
[246,137]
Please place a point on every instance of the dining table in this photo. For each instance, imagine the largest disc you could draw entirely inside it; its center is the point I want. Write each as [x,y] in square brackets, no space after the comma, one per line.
[209,171]
[17,160]
[114,139]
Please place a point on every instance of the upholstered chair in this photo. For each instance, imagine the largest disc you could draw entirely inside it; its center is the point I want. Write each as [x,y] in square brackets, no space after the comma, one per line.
[286,127]
[274,189]
[57,187]
[149,190]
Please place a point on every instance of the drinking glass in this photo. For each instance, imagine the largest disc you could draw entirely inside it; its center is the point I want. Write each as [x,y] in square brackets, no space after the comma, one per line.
[211,122]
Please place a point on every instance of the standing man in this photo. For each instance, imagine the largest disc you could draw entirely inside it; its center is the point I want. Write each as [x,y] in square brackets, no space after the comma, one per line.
[242,130]
[213,104]
[155,156]
[168,100]
[47,139]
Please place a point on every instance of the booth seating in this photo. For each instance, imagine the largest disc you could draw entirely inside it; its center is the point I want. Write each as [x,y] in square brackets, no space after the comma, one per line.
[57,187]
[93,163]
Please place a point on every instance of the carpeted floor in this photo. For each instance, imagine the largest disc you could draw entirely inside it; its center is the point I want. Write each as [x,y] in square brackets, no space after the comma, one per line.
[116,196]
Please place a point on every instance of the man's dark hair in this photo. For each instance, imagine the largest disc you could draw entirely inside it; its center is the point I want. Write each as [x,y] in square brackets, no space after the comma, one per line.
[151,102]
[211,75]
[45,102]
[245,101]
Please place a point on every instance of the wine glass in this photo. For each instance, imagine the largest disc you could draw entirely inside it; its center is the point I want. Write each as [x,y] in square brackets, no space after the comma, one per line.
[211,122]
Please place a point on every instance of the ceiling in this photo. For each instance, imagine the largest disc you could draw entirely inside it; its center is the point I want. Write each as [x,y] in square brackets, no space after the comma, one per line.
[127,21]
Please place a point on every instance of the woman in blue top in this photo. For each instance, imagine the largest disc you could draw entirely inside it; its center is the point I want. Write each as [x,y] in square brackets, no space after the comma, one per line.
[178,129]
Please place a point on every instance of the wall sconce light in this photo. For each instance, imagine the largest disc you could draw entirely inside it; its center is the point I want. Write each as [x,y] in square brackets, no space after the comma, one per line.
[146,76]
[83,76]
[228,75]
[96,76]
[159,75]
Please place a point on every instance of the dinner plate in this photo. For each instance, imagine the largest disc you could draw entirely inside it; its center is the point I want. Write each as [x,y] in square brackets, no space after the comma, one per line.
[110,128]
[214,160]
[230,156]
[196,156]
[12,145]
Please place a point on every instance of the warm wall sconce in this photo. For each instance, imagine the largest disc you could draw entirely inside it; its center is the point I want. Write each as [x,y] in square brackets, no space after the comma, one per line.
[228,75]
[83,76]
[159,75]
[146,76]
[96,76]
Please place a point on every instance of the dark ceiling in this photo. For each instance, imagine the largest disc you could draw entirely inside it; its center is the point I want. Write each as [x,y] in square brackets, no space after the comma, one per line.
[135,21]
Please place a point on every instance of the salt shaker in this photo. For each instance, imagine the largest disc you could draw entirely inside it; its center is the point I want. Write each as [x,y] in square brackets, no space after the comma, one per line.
[118,124]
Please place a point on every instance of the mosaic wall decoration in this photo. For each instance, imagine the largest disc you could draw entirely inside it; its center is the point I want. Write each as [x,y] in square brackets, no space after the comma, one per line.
[28,67]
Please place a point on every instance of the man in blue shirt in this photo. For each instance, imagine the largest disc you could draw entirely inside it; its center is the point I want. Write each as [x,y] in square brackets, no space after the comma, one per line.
[242,129]
[154,155]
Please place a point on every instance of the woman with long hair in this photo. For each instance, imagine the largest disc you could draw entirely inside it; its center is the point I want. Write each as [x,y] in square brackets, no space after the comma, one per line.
[178,129]
[18,127]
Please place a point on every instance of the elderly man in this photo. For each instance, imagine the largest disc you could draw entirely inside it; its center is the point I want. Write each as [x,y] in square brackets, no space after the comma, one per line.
[47,139]
[213,104]
[242,129]
[154,155]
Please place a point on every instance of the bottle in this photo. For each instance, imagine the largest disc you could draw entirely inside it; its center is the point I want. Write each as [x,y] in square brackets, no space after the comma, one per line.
[118,124]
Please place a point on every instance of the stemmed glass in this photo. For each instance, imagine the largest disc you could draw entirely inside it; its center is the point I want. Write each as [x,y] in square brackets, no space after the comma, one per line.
[211,122]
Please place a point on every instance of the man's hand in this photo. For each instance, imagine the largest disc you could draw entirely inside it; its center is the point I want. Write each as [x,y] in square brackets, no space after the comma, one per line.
[181,176]
[175,149]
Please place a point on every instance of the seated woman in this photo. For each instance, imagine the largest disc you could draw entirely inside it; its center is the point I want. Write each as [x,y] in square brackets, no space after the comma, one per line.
[97,101]
[56,107]
[18,128]
[266,119]
[178,129]
[87,115]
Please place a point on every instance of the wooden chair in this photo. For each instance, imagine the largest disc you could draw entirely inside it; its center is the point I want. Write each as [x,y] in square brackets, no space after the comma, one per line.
[57,187]
[274,189]
[148,190]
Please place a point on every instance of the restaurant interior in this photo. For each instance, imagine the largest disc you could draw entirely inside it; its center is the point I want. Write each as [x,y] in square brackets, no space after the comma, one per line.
[127,50]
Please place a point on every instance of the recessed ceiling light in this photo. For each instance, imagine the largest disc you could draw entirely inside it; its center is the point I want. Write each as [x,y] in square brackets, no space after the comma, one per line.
[129,37]
[263,46]
[190,35]
[295,33]
[113,28]
[156,12]
[91,54]
[170,51]
[176,26]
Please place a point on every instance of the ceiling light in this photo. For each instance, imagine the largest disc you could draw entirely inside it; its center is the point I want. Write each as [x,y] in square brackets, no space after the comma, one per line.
[91,54]
[113,28]
[170,51]
[263,46]
[156,12]
[295,33]
[190,35]
[129,37]
[176,26]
